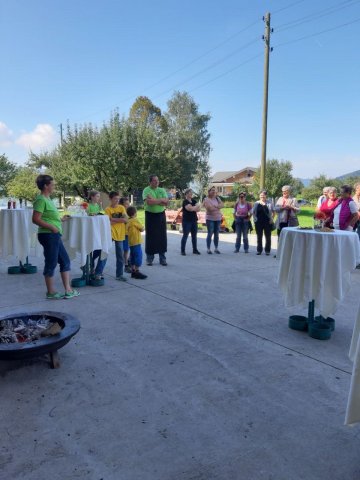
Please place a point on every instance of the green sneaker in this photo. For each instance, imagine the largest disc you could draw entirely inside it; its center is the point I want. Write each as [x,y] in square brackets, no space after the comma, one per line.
[54,296]
[72,294]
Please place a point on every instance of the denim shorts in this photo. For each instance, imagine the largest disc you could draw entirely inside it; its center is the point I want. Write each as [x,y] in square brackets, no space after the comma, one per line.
[54,253]
[136,255]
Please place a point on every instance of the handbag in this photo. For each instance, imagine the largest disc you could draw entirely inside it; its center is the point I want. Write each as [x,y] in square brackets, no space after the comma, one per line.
[293,222]
[233,227]
[273,226]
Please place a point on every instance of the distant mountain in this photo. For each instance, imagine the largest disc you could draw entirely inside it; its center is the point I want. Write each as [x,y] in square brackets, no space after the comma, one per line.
[352,174]
[305,181]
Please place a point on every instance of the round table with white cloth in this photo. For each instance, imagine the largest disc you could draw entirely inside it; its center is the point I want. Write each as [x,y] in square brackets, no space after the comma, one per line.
[353,406]
[84,234]
[17,234]
[316,266]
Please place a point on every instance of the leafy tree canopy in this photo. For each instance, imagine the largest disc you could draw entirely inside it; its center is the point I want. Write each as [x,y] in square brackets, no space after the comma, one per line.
[278,174]
[23,184]
[7,173]
[124,151]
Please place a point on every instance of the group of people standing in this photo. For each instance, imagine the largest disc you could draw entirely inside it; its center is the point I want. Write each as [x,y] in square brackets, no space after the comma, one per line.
[336,212]
[263,212]
[340,212]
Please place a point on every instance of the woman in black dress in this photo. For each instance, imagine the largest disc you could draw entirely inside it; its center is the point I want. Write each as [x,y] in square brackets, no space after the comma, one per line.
[189,221]
[263,213]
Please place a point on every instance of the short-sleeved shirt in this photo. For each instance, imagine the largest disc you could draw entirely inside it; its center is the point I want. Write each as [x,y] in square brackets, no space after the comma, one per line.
[117,229]
[49,213]
[214,215]
[134,228]
[189,216]
[336,221]
[93,208]
[154,193]
[242,210]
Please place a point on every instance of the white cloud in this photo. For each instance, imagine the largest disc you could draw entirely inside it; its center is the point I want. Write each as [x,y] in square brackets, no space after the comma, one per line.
[5,135]
[43,136]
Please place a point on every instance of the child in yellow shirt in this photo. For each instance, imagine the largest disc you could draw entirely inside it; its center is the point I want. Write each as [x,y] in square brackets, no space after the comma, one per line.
[134,229]
[118,219]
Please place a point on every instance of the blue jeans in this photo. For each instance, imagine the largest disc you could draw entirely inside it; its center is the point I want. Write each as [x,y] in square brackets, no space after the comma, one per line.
[213,228]
[54,253]
[119,251]
[100,264]
[187,228]
[241,228]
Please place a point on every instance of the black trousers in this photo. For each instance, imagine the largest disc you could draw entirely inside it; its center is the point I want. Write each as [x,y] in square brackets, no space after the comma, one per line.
[263,229]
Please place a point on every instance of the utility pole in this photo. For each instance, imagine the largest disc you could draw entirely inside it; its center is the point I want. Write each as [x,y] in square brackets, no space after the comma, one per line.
[266,39]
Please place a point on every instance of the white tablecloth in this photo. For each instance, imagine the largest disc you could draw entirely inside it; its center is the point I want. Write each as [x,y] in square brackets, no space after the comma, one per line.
[17,233]
[353,406]
[85,234]
[316,266]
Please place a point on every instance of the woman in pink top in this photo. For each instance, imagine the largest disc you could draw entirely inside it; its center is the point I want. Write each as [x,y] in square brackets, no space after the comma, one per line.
[328,206]
[213,206]
[242,214]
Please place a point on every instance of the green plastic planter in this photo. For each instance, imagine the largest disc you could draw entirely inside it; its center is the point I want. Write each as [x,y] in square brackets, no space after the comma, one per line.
[298,322]
[28,268]
[320,331]
[14,270]
[326,321]
[97,283]
[78,282]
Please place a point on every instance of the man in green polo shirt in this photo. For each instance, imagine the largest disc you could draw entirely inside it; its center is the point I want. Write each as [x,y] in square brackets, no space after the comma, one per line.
[155,202]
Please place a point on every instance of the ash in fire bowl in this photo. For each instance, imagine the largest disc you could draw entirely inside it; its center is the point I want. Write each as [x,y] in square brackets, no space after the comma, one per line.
[25,335]
[19,330]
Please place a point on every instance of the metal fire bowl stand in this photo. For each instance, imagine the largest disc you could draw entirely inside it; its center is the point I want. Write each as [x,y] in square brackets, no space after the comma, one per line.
[46,345]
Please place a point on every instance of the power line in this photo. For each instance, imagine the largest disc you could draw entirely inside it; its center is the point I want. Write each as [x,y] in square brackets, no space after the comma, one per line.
[317,33]
[316,15]
[208,68]
[288,6]
[228,71]
[202,55]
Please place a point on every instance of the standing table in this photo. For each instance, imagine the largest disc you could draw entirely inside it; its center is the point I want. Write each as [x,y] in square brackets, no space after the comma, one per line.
[83,235]
[353,406]
[17,236]
[314,269]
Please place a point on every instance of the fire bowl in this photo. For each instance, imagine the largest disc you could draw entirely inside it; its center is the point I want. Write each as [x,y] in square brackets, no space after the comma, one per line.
[17,351]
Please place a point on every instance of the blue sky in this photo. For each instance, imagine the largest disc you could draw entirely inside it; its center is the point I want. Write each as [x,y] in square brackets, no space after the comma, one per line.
[77,60]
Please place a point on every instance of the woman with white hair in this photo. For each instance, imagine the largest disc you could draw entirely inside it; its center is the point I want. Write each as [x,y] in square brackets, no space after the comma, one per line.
[287,209]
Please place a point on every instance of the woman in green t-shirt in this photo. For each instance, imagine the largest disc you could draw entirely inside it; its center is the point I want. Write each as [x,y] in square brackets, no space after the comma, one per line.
[47,217]
[94,208]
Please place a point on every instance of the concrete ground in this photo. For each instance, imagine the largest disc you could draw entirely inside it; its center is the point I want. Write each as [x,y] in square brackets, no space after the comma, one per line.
[191,374]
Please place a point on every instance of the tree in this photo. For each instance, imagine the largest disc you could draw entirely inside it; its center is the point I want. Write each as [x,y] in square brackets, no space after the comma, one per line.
[145,113]
[314,190]
[7,173]
[188,140]
[202,179]
[23,184]
[123,152]
[278,174]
